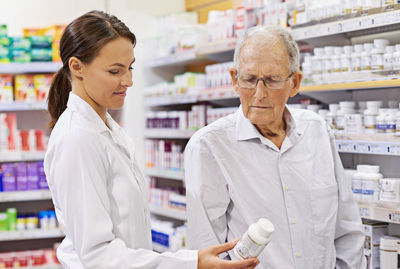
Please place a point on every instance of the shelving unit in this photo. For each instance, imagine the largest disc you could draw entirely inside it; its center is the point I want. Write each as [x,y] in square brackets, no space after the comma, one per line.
[378,19]
[30,234]
[169,174]
[22,107]
[168,133]
[30,116]
[33,67]
[168,212]
[21,156]
[380,211]
[19,196]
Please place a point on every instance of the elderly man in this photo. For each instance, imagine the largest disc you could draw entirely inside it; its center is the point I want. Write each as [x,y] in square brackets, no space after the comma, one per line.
[268,161]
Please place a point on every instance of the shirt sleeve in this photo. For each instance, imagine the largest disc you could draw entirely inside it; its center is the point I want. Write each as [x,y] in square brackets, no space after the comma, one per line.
[349,236]
[207,197]
[77,170]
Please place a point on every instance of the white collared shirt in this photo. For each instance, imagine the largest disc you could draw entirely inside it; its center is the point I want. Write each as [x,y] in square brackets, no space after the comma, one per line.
[234,176]
[100,196]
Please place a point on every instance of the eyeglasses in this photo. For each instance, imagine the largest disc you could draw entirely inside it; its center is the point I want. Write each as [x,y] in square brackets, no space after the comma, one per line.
[271,83]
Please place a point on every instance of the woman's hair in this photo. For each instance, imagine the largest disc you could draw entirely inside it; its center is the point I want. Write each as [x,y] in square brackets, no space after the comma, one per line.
[83,38]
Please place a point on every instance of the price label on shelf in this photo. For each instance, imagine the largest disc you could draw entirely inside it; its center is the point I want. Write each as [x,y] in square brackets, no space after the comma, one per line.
[364,212]
[394,216]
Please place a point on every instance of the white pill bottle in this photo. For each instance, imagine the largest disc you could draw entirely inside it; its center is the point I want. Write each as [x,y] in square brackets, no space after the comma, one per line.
[254,240]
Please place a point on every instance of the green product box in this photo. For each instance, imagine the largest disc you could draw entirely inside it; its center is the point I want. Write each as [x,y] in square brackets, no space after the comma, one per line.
[5,41]
[4,52]
[41,41]
[3,30]
[42,55]
[12,219]
[20,56]
[3,221]
[21,43]
[5,60]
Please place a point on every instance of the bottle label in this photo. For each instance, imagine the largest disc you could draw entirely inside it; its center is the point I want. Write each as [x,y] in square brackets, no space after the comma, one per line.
[247,248]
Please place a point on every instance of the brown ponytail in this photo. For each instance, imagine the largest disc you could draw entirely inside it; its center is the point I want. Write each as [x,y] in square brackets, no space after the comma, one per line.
[82,38]
[58,95]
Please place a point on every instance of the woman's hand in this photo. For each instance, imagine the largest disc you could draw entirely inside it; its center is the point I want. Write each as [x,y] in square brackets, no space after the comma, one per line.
[208,258]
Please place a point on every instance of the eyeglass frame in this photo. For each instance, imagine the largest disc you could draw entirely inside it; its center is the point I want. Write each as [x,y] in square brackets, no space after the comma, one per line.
[264,82]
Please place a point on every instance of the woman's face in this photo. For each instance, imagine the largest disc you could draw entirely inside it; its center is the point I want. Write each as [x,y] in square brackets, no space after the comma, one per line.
[106,79]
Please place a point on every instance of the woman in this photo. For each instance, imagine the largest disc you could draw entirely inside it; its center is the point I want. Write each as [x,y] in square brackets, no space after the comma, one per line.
[97,188]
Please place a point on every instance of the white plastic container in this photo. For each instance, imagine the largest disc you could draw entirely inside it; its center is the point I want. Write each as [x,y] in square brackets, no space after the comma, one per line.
[331,116]
[353,123]
[390,189]
[313,107]
[356,58]
[377,62]
[345,59]
[327,59]
[381,121]
[254,240]
[357,180]
[390,120]
[388,252]
[336,59]
[366,56]
[370,186]
[396,58]
[388,58]
[317,61]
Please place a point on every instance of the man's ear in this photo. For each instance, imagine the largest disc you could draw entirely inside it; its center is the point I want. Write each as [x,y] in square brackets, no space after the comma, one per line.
[75,67]
[296,80]
[233,73]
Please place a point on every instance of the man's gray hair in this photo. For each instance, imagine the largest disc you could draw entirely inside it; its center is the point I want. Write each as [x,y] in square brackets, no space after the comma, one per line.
[267,31]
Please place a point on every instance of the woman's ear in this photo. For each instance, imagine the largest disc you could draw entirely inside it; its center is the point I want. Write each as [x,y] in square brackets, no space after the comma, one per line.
[75,67]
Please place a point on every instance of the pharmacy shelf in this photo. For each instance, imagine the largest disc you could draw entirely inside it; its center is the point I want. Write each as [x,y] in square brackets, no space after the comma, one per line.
[21,156]
[364,85]
[46,267]
[378,144]
[171,100]
[168,133]
[23,107]
[162,173]
[380,211]
[30,234]
[169,213]
[203,95]
[178,59]
[378,20]
[19,196]
[219,93]
[33,67]
[227,45]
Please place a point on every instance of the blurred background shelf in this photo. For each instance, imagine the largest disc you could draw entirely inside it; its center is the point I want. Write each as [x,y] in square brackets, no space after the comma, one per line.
[30,234]
[169,213]
[18,196]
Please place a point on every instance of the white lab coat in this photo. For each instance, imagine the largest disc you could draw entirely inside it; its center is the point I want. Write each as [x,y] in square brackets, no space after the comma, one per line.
[100,196]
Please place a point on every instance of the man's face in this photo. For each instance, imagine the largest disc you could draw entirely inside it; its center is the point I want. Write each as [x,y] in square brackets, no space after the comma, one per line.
[264,57]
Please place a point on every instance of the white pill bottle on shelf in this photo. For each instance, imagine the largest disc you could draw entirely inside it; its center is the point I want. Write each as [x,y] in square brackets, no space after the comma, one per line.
[254,240]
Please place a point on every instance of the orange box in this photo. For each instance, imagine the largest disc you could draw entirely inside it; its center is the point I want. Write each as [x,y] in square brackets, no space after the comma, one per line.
[6,89]
[24,89]
[42,84]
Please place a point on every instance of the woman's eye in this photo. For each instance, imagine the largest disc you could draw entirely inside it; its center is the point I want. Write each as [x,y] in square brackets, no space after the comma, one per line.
[130,67]
[113,72]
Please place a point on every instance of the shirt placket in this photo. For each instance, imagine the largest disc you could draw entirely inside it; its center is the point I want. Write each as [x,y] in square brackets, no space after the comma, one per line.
[288,191]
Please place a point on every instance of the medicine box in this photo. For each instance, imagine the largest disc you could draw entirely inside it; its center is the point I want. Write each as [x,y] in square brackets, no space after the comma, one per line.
[373,232]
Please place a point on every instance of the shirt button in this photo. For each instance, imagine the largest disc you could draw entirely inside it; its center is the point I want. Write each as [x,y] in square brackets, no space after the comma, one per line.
[298,255]
[293,221]
[287,188]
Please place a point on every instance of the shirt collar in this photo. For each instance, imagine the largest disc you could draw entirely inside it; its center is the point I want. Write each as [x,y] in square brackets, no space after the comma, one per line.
[245,130]
[77,104]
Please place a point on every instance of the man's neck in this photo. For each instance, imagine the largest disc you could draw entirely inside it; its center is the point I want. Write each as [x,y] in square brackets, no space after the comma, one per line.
[275,132]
